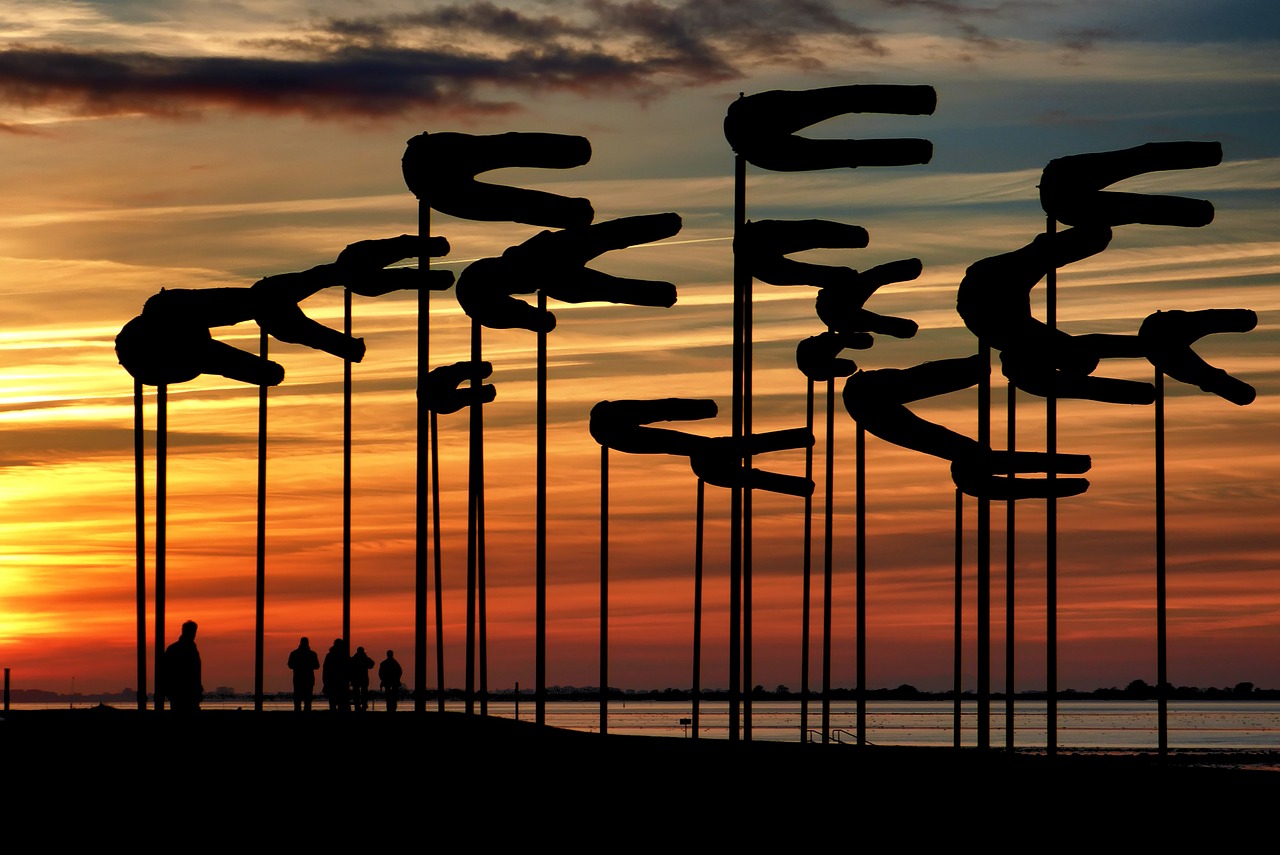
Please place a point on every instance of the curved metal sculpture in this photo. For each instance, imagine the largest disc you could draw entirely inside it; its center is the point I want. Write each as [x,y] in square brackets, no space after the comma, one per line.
[441,168]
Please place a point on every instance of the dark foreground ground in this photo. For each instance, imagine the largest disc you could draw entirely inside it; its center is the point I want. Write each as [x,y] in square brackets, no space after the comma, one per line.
[244,778]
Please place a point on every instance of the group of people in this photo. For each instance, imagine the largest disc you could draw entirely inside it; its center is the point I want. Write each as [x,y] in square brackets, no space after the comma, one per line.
[345,677]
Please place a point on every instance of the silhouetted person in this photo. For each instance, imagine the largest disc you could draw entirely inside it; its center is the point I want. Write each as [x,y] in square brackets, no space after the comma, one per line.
[180,672]
[303,662]
[762,128]
[336,675]
[441,168]
[170,341]
[389,674]
[360,666]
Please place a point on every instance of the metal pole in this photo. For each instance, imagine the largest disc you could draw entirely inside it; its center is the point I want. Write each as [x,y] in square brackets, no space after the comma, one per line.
[860,480]
[473,491]
[604,589]
[346,476]
[482,591]
[421,469]
[1010,541]
[1162,662]
[259,627]
[828,539]
[740,276]
[957,686]
[162,477]
[540,573]
[748,683]
[140,538]
[697,605]
[806,585]
[984,561]
[435,533]
[1051,527]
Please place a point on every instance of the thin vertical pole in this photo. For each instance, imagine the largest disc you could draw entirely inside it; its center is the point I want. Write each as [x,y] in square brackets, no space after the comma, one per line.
[604,589]
[435,534]
[860,481]
[806,585]
[473,490]
[421,468]
[957,647]
[162,477]
[1051,526]
[828,540]
[259,626]
[482,591]
[1162,662]
[740,277]
[697,605]
[984,560]
[748,682]
[140,537]
[1010,542]
[540,580]
[346,476]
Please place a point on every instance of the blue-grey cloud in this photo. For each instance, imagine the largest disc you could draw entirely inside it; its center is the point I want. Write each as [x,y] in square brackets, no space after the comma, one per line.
[397,64]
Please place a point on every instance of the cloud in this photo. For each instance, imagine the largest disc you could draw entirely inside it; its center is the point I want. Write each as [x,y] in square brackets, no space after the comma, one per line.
[458,59]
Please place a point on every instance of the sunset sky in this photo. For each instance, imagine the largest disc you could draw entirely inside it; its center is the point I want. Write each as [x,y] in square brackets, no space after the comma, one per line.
[184,144]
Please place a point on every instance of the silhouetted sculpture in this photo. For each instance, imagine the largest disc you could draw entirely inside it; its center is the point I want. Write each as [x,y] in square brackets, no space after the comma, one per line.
[442,387]
[336,675]
[720,461]
[389,675]
[304,663]
[623,425]
[994,300]
[1168,337]
[818,356]
[1071,187]
[765,245]
[840,306]
[170,341]
[440,169]
[762,128]
[361,665]
[180,672]
[876,400]
[553,262]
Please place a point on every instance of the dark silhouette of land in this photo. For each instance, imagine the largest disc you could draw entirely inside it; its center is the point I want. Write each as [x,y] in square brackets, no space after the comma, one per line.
[234,771]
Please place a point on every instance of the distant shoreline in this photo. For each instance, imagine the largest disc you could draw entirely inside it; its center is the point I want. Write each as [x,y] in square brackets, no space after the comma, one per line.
[1136,691]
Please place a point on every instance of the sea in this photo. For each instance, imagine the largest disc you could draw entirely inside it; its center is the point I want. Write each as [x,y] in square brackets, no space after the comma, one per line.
[1101,726]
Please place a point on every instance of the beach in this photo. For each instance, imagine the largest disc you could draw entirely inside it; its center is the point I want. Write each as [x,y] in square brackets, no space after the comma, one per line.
[413,776]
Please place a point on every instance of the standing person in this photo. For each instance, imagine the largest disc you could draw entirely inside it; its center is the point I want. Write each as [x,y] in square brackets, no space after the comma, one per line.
[336,676]
[389,674]
[361,665]
[303,662]
[180,672]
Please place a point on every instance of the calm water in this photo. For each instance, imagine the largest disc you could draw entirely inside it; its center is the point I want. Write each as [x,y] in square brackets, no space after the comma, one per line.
[1098,725]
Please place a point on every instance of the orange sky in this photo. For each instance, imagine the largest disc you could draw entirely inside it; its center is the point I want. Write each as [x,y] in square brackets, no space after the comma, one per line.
[107,204]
